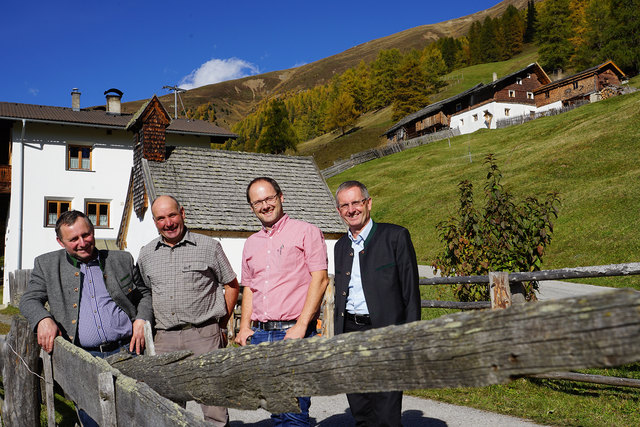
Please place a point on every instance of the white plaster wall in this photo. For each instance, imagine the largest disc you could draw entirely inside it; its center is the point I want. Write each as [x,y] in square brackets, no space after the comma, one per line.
[464,121]
[553,105]
[45,177]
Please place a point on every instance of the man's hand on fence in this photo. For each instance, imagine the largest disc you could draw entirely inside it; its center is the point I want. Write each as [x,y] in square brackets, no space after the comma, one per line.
[243,334]
[137,338]
[47,332]
[296,331]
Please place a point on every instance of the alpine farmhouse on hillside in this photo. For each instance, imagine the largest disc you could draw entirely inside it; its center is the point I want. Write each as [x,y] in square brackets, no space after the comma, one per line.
[526,92]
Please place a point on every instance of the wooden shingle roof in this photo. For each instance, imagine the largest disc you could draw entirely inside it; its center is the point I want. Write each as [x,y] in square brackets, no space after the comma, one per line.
[211,185]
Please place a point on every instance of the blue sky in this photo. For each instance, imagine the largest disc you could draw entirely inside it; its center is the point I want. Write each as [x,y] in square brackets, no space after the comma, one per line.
[50,47]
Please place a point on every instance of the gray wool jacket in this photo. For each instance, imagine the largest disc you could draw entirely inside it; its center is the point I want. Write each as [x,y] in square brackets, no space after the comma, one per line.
[56,279]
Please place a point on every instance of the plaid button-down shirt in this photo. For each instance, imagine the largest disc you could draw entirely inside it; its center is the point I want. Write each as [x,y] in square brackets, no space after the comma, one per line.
[186,280]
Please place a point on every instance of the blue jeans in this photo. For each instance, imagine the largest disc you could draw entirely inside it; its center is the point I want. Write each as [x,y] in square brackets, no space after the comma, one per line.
[287,418]
[84,418]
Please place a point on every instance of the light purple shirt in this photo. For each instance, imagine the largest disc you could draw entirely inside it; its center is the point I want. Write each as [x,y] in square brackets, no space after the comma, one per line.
[277,266]
[100,319]
[356,303]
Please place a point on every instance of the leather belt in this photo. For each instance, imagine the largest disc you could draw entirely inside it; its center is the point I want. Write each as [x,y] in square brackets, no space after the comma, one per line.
[274,325]
[358,319]
[110,346]
[186,326]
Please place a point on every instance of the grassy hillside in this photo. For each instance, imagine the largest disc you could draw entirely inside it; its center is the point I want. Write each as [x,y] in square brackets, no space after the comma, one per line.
[589,155]
[236,98]
[368,131]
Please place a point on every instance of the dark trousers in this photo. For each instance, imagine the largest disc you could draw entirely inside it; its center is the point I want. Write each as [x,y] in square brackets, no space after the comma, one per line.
[374,409]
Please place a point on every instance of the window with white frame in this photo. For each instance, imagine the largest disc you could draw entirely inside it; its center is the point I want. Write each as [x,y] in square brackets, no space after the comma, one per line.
[53,210]
[519,81]
[529,95]
[98,213]
[475,117]
[512,93]
[506,112]
[79,157]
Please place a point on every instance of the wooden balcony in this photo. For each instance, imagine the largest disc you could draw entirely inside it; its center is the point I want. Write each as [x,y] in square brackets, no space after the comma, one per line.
[5,179]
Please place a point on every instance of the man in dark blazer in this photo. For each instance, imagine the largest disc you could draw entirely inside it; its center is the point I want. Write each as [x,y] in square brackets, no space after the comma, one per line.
[376,280]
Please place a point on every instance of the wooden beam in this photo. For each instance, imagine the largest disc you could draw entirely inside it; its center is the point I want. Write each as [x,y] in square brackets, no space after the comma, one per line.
[457,350]
[136,403]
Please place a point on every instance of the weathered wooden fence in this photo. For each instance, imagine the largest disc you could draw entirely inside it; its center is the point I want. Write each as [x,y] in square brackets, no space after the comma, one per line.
[375,153]
[18,280]
[514,280]
[472,349]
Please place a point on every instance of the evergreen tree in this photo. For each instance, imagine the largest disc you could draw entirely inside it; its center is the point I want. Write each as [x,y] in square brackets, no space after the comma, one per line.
[530,31]
[411,89]
[582,56]
[489,41]
[553,33]
[622,39]
[476,53]
[277,134]
[513,27]
[384,71]
[342,113]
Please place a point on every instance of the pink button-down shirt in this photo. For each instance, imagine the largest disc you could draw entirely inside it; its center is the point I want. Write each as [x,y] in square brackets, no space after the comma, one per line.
[277,266]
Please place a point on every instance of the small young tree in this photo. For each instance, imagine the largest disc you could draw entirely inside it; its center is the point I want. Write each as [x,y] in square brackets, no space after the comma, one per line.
[506,236]
[277,134]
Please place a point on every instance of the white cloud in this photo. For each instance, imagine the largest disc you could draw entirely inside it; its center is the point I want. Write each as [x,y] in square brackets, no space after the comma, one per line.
[33,91]
[218,70]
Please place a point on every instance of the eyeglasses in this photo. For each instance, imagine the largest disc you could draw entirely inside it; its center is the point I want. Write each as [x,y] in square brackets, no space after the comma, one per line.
[355,204]
[271,200]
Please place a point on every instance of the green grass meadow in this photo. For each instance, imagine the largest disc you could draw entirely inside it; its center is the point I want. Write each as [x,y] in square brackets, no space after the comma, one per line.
[590,156]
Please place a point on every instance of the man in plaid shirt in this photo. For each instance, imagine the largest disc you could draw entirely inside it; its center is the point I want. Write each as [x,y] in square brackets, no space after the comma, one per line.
[186,273]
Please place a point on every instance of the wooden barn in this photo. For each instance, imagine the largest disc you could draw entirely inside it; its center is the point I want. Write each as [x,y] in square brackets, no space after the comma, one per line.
[584,86]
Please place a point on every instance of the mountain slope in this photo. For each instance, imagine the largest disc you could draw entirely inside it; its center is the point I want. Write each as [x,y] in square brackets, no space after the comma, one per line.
[236,98]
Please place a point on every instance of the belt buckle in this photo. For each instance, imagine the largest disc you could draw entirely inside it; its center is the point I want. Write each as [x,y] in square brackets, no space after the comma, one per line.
[355,319]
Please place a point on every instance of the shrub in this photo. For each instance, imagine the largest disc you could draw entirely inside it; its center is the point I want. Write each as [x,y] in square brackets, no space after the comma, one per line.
[505,236]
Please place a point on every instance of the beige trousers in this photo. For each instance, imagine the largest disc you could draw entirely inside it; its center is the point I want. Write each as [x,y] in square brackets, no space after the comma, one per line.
[199,341]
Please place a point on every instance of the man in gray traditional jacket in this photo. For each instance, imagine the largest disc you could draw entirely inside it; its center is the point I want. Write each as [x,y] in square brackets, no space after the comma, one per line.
[96,297]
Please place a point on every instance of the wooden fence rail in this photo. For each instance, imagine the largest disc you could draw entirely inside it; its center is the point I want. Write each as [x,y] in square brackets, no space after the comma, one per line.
[627,269]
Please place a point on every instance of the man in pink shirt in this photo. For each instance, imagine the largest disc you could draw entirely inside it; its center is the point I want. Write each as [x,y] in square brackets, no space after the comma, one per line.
[284,275]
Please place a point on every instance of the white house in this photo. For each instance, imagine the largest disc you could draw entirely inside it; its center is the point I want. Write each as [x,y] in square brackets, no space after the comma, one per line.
[55,159]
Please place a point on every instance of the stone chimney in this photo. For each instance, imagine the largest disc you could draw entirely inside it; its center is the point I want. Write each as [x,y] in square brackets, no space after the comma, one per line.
[113,101]
[75,99]
[495,77]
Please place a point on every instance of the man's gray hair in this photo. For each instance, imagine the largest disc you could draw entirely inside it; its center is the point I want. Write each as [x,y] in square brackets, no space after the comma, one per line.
[350,184]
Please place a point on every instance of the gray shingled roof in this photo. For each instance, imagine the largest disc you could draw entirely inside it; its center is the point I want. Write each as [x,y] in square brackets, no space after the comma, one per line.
[211,185]
[100,118]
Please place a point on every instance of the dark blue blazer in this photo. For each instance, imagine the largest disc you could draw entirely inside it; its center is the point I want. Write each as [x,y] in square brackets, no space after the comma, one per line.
[389,276]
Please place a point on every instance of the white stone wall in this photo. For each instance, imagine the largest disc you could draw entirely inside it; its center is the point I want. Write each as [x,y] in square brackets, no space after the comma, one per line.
[466,122]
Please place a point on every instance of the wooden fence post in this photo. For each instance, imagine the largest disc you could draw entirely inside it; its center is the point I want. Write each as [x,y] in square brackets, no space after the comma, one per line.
[21,407]
[106,391]
[47,367]
[499,289]
[328,309]
[18,281]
